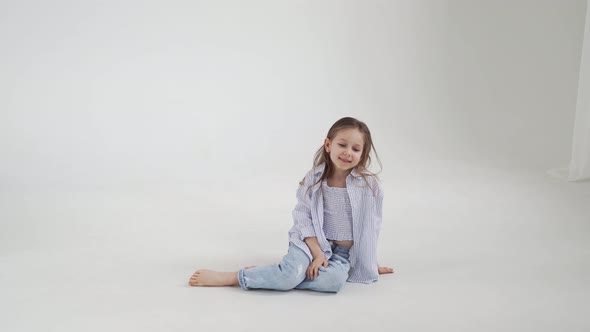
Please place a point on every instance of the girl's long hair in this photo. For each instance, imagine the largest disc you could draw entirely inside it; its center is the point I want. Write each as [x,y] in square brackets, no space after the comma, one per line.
[322,156]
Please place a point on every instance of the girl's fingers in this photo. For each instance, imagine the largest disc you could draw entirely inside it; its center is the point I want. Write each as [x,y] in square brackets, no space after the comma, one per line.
[313,270]
[383,269]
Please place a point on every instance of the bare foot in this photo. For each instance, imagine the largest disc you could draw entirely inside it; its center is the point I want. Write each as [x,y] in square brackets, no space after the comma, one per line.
[213,278]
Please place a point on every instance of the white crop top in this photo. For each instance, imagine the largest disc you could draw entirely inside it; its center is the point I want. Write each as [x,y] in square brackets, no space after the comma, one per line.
[337,213]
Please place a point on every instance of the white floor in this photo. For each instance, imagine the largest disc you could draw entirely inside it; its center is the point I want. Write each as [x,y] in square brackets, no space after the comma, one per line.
[474,249]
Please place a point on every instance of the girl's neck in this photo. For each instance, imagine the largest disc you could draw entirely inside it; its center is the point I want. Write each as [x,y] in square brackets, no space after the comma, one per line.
[338,179]
[340,175]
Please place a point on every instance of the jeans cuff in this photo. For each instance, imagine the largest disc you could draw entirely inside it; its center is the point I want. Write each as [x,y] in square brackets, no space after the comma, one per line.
[241,279]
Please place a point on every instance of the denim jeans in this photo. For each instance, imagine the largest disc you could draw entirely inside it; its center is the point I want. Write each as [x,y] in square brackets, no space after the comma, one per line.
[290,273]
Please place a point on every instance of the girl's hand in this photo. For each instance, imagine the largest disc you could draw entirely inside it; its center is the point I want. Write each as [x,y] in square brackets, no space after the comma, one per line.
[312,269]
[384,269]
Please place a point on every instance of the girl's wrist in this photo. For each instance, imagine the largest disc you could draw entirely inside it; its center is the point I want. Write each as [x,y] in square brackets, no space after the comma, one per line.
[318,254]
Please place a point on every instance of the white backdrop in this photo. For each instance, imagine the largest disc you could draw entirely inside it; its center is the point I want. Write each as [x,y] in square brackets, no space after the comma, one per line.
[580,165]
[109,93]
[142,140]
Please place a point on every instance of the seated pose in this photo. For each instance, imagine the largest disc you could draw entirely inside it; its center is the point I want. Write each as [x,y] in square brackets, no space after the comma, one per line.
[336,223]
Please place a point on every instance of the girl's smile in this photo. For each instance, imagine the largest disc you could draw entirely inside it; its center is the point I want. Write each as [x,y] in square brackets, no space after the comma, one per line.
[345,149]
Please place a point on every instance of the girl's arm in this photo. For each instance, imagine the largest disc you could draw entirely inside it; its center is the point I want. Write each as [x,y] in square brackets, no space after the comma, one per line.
[318,257]
[314,247]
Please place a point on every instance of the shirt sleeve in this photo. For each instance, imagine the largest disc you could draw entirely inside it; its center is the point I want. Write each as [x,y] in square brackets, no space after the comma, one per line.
[302,211]
[378,209]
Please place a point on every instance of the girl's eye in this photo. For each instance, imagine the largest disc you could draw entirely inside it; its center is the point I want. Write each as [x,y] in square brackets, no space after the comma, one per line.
[342,145]
[356,150]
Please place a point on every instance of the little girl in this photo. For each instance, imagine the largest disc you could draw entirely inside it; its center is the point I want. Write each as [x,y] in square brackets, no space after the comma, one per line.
[336,223]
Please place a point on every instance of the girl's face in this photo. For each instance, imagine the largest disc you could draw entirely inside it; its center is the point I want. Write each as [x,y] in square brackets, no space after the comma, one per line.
[345,149]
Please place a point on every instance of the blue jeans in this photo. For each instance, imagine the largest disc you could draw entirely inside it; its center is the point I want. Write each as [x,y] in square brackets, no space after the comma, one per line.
[290,273]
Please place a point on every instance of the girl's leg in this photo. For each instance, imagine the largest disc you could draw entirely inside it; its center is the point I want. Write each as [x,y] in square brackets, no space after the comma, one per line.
[282,276]
[214,278]
[331,278]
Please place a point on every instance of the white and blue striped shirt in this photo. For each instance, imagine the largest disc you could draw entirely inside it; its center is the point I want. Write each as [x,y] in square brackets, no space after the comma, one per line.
[367,205]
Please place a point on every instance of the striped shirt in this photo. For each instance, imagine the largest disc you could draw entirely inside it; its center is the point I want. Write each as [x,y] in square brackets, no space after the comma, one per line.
[366,204]
[337,213]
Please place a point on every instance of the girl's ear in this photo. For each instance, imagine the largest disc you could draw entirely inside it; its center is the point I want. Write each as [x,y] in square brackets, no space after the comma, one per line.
[327,145]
